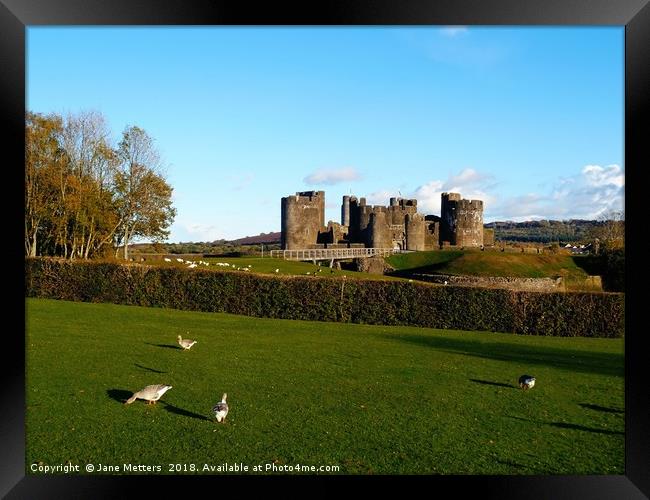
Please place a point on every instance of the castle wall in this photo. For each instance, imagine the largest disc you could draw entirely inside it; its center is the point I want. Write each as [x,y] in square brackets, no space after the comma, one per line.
[488,237]
[431,232]
[335,234]
[302,219]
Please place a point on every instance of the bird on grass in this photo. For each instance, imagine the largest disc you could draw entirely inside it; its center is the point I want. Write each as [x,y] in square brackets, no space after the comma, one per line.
[526,382]
[185,343]
[221,409]
[151,394]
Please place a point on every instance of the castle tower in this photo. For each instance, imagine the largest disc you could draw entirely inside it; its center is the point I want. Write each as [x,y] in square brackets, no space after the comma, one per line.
[469,223]
[414,226]
[448,217]
[461,221]
[363,233]
[379,237]
[302,218]
[345,211]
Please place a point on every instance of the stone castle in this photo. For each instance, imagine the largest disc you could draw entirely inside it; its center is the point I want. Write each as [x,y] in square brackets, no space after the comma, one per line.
[397,226]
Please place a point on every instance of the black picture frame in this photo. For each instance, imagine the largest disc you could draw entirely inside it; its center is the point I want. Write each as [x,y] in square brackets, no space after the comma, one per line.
[16,15]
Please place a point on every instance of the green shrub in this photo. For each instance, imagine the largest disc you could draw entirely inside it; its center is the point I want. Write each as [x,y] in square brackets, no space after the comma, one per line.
[330,299]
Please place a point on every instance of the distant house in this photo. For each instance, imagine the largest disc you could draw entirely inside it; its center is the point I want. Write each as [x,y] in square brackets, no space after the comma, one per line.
[580,249]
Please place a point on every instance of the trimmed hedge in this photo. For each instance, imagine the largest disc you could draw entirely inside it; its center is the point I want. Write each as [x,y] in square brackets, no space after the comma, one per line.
[578,314]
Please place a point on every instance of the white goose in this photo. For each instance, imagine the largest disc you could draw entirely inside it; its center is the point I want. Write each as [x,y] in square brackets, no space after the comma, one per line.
[221,409]
[151,394]
[185,343]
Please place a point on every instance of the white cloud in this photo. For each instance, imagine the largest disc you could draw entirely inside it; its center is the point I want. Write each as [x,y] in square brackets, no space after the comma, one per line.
[428,196]
[467,177]
[598,176]
[472,185]
[452,31]
[587,195]
[381,197]
[332,176]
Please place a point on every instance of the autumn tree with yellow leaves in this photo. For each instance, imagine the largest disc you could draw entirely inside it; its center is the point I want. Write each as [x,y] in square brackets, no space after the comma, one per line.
[84,197]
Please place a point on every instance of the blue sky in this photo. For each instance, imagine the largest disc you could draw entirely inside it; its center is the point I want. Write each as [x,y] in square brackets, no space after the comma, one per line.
[529,119]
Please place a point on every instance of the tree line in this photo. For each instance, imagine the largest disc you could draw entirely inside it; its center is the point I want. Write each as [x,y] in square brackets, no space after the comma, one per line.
[609,228]
[87,197]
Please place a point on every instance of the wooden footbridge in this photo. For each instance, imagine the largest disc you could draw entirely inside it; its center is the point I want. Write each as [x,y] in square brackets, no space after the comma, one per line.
[332,254]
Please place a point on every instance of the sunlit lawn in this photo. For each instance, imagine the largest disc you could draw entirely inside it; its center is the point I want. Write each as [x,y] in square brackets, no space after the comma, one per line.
[369,399]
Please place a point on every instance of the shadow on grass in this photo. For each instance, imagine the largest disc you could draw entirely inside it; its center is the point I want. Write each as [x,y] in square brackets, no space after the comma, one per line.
[148,369]
[566,425]
[184,413]
[512,464]
[119,395]
[590,264]
[434,268]
[168,346]
[600,408]
[601,363]
[487,382]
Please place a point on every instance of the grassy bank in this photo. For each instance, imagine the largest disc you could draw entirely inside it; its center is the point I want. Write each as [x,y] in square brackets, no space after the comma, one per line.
[489,263]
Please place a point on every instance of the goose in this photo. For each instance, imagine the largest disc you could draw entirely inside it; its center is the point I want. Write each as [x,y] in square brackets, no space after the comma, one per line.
[185,343]
[151,393]
[526,382]
[221,409]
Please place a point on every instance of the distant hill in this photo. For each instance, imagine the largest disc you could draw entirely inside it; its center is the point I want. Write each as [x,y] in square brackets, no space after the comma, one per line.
[266,238]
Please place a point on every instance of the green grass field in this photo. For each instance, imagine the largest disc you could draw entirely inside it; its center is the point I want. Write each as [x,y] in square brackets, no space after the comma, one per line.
[455,262]
[268,265]
[369,399]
